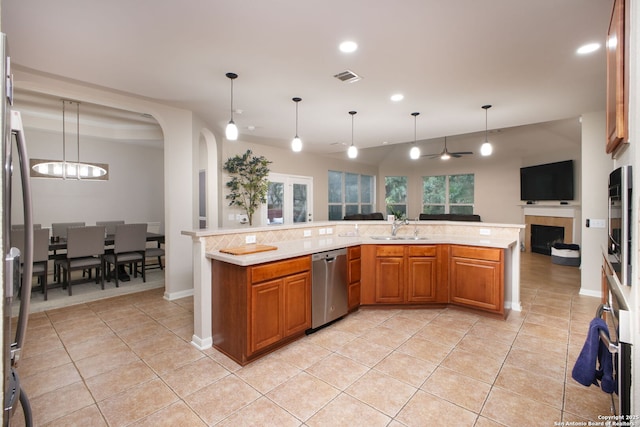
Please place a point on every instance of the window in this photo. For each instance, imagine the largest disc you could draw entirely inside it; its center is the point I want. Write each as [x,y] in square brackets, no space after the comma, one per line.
[350,193]
[395,195]
[448,194]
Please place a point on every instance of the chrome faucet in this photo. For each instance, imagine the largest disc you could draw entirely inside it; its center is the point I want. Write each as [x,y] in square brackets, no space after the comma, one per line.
[397,223]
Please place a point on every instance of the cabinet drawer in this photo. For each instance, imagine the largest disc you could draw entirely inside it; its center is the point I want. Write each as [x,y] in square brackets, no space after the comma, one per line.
[390,250]
[354,252]
[489,254]
[422,250]
[277,269]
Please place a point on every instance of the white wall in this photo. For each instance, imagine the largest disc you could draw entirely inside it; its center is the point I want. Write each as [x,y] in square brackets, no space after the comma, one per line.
[594,200]
[288,162]
[497,178]
[179,142]
[134,191]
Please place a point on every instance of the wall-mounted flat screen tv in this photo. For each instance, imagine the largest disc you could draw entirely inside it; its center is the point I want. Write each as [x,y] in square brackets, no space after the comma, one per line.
[550,181]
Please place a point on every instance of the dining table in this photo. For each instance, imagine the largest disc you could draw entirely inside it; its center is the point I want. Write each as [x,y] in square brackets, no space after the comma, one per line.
[61,243]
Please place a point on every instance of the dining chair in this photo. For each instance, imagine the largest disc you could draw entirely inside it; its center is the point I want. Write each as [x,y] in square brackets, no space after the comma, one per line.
[129,247]
[40,254]
[59,229]
[155,252]
[110,226]
[85,251]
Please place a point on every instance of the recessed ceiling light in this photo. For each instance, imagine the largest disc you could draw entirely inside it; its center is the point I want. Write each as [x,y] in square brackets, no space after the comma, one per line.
[588,48]
[348,47]
[397,97]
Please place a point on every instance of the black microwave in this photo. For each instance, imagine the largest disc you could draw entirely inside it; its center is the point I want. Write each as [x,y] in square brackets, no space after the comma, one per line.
[619,227]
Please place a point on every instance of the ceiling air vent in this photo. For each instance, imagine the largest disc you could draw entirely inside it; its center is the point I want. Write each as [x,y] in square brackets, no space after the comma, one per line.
[347,76]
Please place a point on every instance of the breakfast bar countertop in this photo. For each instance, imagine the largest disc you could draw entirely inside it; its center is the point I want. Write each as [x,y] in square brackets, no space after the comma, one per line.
[311,245]
[291,241]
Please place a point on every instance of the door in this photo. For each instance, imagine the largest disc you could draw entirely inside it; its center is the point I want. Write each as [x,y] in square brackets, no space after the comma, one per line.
[265,315]
[289,199]
[297,303]
[422,279]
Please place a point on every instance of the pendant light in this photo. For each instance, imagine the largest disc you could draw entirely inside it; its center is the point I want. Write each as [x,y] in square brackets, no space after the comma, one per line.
[231,131]
[414,153]
[64,169]
[352,152]
[486,149]
[296,144]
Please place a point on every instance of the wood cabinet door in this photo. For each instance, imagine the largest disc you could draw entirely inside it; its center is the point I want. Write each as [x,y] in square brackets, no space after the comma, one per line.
[353,296]
[265,315]
[297,303]
[389,280]
[353,282]
[422,279]
[477,283]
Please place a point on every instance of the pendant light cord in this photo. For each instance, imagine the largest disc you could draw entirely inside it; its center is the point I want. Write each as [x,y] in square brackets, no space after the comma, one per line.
[352,129]
[353,113]
[64,139]
[78,134]
[231,99]
[486,122]
[296,117]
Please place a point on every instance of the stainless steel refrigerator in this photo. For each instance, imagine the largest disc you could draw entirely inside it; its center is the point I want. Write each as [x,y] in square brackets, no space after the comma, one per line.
[15,164]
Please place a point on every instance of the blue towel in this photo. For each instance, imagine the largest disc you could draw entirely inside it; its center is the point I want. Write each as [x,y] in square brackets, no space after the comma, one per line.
[585,370]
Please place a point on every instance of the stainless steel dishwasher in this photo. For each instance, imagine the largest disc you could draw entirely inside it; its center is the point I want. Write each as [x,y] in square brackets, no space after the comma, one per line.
[328,287]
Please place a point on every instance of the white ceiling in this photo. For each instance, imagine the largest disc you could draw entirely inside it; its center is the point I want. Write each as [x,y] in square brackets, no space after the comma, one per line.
[447,57]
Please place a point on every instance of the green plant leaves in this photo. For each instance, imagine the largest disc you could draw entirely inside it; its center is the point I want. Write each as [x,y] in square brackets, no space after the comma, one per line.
[248,185]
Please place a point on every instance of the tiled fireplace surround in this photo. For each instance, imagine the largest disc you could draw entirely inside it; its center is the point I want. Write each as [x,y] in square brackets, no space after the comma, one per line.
[557,216]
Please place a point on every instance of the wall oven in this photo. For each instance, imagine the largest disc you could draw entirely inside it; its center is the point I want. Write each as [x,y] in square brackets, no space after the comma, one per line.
[616,313]
[619,227]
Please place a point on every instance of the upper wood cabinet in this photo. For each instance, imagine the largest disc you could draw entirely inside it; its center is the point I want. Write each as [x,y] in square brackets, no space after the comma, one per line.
[617,77]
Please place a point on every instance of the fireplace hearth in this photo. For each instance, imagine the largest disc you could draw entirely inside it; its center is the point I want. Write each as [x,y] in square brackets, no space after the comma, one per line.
[544,236]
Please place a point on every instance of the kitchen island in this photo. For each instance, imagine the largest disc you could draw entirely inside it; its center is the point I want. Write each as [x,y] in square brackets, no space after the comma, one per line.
[301,240]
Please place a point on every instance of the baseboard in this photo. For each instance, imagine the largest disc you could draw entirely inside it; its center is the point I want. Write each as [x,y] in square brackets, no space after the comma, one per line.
[200,343]
[589,293]
[171,296]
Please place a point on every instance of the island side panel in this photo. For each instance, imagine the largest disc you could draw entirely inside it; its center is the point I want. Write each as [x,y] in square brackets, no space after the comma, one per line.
[229,308]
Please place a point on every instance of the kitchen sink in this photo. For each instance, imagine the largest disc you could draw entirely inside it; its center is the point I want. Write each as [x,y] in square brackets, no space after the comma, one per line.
[398,238]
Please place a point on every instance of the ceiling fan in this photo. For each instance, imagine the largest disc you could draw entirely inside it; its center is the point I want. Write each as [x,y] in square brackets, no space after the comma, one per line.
[446,154]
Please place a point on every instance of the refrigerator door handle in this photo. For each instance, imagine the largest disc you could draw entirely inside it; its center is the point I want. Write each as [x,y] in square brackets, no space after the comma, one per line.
[25,297]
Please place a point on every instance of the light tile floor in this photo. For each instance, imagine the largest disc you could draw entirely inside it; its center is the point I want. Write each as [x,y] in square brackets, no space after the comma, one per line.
[127,361]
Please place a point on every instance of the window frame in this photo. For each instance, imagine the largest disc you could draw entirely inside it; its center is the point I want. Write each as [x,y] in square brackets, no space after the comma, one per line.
[447,195]
[388,206]
[344,204]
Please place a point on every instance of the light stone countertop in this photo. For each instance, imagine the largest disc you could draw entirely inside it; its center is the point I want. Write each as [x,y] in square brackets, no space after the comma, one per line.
[311,245]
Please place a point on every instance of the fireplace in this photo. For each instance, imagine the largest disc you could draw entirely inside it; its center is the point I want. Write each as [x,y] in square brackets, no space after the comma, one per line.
[544,236]
[560,217]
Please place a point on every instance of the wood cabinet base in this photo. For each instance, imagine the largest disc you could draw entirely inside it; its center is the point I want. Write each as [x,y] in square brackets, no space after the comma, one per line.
[258,309]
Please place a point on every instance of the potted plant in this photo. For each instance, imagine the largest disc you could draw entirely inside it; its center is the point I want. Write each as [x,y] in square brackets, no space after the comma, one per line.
[248,185]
